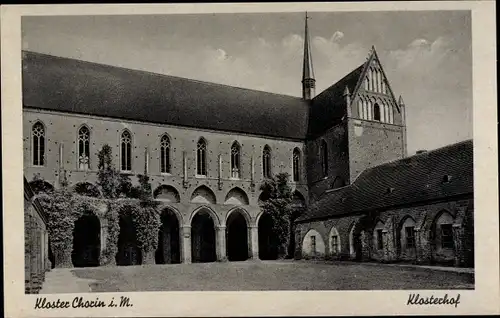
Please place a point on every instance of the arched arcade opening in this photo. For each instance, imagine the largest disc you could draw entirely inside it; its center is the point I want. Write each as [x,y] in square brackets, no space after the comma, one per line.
[237,237]
[168,251]
[129,252]
[86,241]
[268,239]
[203,238]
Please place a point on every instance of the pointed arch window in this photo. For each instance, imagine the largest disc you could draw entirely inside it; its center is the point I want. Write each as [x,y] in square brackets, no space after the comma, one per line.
[201,157]
[84,148]
[376,112]
[165,154]
[324,158]
[235,160]
[266,162]
[38,137]
[296,165]
[126,151]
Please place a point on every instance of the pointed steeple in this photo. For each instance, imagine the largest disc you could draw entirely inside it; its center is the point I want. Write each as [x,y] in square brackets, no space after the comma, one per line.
[308,81]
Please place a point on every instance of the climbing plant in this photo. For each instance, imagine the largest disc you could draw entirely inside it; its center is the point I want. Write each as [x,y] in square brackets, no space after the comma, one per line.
[278,206]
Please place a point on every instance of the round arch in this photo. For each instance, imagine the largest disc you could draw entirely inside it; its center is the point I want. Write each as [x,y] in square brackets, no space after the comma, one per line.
[240,210]
[236,196]
[167,193]
[207,209]
[313,244]
[203,194]
[86,240]
[174,210]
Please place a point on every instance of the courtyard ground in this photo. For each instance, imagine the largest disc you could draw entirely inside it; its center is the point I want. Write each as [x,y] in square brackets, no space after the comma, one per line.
[255,275]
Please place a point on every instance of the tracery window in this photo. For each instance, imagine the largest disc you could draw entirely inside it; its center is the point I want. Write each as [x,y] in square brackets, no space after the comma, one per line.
[165,154]
[235,160]
[38,137]
[84,148]
[201,157]
[126,151]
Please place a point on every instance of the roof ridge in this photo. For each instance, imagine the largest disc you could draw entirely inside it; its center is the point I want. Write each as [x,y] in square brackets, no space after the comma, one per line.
[160,74]
[432,151]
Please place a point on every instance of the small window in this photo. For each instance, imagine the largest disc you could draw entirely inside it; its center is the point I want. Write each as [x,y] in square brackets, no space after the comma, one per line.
[296,165]
[165,154]
[410,236]
[235,160]
[266,162]
[446,236]
[201,157]
[313,243]
[335,244]
[84,148]
[380,240]
[38,138]
[376,112]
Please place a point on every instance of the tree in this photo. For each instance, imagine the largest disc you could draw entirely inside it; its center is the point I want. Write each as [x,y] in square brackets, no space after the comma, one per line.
[278,206]
[108,178]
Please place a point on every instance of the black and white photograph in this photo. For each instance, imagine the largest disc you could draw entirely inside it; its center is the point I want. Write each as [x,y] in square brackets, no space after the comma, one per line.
[305,150]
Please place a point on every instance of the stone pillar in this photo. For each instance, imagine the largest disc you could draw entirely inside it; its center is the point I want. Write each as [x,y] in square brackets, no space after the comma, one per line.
[184,170]
[186,244]
[221,243]
[219,174]
[458,237]
[254,239]
[148,257]
[365,245]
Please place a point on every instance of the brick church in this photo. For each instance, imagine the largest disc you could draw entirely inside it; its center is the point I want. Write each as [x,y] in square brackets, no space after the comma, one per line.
[207,147]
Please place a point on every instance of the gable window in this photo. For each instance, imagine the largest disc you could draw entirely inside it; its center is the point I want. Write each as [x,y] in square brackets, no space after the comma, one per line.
[380,241]
[324,158]
[446,236]
[201,157]
[266,162]
[376,112]
[165,154]
[296,165]
[84,148]
[235,160]
[126,151]
[410,236]
[313,244]
[38,137]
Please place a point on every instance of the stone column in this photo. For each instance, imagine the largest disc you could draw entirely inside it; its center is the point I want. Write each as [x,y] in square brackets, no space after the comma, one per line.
[221,243]
[254,239]
[186,244]
[365,245]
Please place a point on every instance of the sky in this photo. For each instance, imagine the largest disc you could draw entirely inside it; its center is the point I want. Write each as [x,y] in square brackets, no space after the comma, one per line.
[426,55]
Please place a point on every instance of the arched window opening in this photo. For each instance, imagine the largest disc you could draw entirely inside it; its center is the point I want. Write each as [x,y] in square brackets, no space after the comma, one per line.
[165,154]
[376,112]
[296,165]
[324,158]
[201,157]
[38,132]
[367,84]
[266,162]
[126,151]
[84,148]
[235,160]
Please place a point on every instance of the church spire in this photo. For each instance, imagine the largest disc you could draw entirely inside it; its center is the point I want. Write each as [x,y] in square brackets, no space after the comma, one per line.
[308,81]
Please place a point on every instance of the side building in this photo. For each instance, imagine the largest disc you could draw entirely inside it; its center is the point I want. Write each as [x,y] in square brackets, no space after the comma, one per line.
[418,209]
[36,242]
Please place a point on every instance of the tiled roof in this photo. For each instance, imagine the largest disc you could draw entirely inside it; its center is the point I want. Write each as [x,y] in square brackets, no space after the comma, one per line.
[329,106]
[69,85]
[432,175]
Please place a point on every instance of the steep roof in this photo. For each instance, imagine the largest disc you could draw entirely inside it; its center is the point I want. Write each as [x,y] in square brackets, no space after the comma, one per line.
[69,85]
[413,179]
[329,106]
